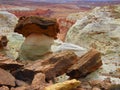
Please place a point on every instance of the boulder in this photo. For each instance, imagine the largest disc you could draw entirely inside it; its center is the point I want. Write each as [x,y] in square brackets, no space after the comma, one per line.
[39,25]
[35,47]
[4,88]
[8,22]
[6,78]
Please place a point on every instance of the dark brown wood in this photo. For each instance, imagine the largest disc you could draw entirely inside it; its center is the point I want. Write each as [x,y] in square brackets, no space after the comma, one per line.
[86,64]
[55,65]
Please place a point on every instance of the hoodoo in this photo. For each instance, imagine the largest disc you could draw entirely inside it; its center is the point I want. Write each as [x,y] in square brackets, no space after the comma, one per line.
[39,33]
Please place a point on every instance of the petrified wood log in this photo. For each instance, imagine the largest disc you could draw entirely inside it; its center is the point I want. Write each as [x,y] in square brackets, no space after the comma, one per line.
[86,64]
[55,65]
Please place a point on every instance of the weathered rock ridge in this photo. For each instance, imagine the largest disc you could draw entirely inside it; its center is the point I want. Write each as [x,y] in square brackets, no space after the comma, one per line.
[8,22]
[100,29]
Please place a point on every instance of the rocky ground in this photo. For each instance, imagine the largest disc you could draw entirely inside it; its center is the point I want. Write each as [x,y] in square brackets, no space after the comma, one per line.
[95,69]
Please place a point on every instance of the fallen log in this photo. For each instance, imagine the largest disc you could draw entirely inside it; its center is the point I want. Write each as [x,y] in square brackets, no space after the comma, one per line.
[55,65]
[86,64]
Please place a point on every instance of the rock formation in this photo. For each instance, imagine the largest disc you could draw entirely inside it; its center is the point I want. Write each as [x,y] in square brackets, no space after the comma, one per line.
[100,29]
[8,22]
[39,75]
[40,34]
[64,25]
[67,22]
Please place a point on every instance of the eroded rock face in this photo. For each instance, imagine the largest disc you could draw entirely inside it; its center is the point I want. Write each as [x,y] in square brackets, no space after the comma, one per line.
[39,33]
[64,25]
[40,25]
[99,30]
[8,22]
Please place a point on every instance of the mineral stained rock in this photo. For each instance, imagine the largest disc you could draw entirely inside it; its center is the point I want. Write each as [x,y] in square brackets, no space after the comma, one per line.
[40,25]
[40,34]
[67,85]
[86,64]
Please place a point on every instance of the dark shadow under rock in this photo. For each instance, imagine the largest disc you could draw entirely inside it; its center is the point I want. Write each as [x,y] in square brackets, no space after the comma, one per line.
[24,75]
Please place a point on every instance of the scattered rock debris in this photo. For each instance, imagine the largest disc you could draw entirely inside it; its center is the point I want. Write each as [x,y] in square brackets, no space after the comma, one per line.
[40,74]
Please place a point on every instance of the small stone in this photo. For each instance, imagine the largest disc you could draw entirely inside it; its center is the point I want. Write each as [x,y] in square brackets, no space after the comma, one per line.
[4,88]
[19,88]
[96,88]
[6,78]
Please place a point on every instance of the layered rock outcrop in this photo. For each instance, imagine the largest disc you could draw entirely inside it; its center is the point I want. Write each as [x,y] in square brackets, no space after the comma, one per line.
[8,22]
[100,29]
[40,34]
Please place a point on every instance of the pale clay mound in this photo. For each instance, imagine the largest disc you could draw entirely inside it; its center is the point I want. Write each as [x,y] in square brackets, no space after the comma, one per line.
[8,22]
[100,29]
